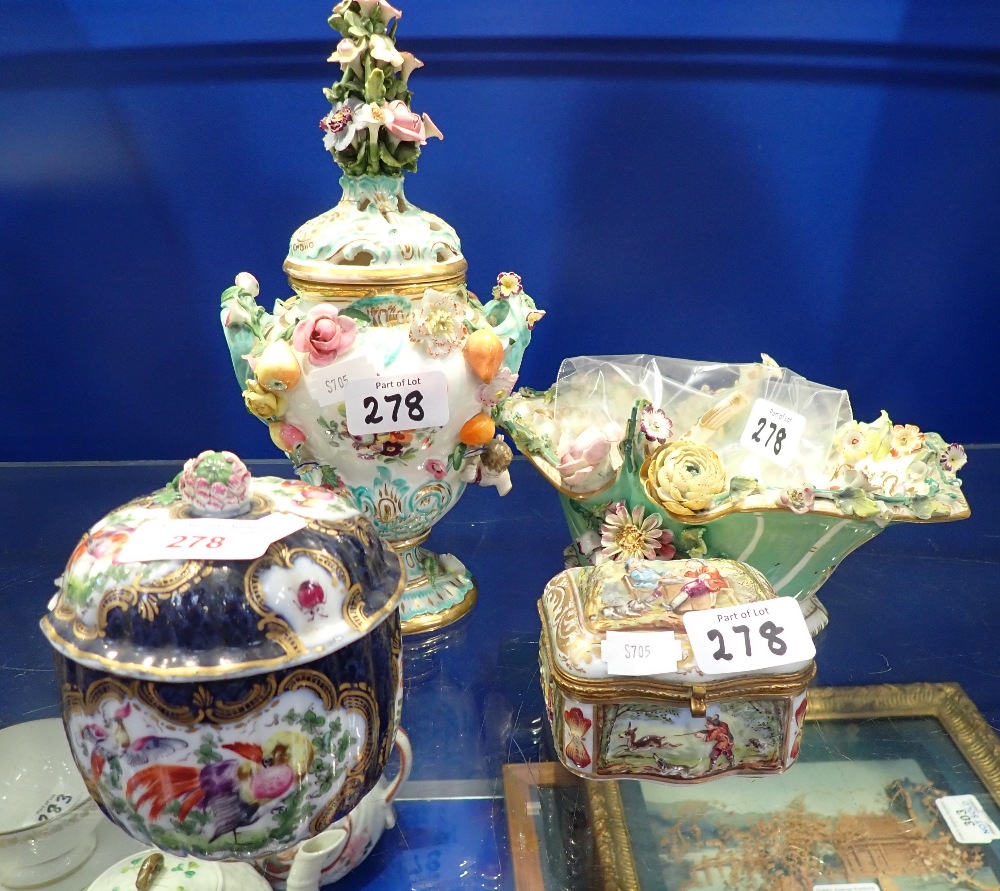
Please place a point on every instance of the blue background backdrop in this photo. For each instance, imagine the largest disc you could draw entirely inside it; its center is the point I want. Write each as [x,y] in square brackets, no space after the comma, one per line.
[695,178]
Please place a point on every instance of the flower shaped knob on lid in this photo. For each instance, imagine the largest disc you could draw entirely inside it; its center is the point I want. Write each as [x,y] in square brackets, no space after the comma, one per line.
[215,484]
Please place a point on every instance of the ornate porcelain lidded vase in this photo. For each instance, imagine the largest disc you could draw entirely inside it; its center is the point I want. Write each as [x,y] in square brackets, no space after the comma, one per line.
[229,707]
[382,372]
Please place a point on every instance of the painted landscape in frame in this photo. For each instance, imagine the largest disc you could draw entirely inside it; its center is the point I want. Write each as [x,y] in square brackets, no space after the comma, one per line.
[858,807]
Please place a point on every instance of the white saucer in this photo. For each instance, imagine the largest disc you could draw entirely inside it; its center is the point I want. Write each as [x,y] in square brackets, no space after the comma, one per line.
[112,845]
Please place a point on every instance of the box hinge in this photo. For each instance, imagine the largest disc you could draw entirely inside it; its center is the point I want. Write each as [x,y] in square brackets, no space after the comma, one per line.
[699,700]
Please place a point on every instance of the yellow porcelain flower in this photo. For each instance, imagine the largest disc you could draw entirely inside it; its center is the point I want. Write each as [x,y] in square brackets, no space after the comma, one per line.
[906,439]
[265,405]
[878,436]
[684,476]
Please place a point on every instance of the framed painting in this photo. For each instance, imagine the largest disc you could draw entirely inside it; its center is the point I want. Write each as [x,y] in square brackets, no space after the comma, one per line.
[548,822]
[869,806]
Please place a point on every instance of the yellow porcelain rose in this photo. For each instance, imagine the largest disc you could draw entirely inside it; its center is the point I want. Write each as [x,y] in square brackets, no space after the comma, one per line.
[265,405]
[683,476]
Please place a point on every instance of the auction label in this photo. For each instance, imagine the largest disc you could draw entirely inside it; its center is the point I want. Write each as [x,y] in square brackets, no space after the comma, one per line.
[967,820]
[404,402]
[640,652]
[328,384]
[207,538]
[54,805]
[764,634]
[773,432]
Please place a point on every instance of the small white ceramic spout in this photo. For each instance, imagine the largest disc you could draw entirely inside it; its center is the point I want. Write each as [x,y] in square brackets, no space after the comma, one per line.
[312,856]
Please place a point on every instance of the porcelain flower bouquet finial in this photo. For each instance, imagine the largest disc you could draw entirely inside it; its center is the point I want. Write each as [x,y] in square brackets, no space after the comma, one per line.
[371,128]
[383,373]
[658,457]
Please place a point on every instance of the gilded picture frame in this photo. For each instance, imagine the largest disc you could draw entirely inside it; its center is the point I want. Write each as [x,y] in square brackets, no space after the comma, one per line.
[875,760]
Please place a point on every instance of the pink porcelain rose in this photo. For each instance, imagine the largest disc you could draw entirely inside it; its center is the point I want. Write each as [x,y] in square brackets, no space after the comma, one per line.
[405,124]
[324,334]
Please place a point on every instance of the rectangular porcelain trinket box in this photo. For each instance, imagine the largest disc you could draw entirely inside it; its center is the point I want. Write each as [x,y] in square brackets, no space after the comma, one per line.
[677,727]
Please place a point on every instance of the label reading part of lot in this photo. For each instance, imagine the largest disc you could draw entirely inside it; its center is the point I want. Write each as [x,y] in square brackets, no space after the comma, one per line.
[635,653]
[967,819]
[749,636]
[773,432]
[390,404]
[207,538]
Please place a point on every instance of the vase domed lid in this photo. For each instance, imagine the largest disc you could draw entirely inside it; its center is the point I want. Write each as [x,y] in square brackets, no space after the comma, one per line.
[374,239]
[320,580]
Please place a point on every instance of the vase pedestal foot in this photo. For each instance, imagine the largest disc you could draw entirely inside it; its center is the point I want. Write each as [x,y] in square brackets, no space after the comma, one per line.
[439,589]
[815,614]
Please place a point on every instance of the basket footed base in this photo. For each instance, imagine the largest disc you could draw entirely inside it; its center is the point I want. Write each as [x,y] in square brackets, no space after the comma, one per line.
[815,614]
[439,589]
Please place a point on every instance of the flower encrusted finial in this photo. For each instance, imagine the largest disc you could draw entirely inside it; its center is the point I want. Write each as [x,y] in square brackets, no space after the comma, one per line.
[216,484]
[370,128]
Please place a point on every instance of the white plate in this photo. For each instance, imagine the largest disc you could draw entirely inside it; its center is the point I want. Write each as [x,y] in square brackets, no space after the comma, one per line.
[112,845]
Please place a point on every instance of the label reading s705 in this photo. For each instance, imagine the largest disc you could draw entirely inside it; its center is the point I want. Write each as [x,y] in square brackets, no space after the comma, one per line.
[634,653]
[328,384]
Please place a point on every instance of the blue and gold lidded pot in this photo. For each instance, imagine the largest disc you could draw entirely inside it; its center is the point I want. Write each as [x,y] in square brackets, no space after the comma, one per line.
[229,707]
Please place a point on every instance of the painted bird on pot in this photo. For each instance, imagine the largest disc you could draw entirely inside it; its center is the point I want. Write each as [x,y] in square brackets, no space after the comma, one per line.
[232,790]
[111,743]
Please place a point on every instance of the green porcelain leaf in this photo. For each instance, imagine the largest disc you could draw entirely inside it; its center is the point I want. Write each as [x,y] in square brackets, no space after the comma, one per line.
[856,502]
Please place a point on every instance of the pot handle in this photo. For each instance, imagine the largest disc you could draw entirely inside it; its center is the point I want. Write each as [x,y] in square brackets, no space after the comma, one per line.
[402,744]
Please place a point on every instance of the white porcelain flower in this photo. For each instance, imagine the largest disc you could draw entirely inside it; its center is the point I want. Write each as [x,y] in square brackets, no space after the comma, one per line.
[348,53]
[916,479]
[498,389]
[439,323]
[953,458]
[374,116]
[582,457]
[386,11]
[340,125]
[625,534]
[852,442]
[410,64]
[384,50]
[800,500]
[655,424]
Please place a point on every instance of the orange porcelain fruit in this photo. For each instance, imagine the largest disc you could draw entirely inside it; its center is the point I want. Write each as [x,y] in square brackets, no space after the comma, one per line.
[478,430]
[484,353]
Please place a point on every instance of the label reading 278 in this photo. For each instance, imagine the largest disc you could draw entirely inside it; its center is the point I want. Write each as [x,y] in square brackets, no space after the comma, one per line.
[404,402]
[207,538]
[773,432]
